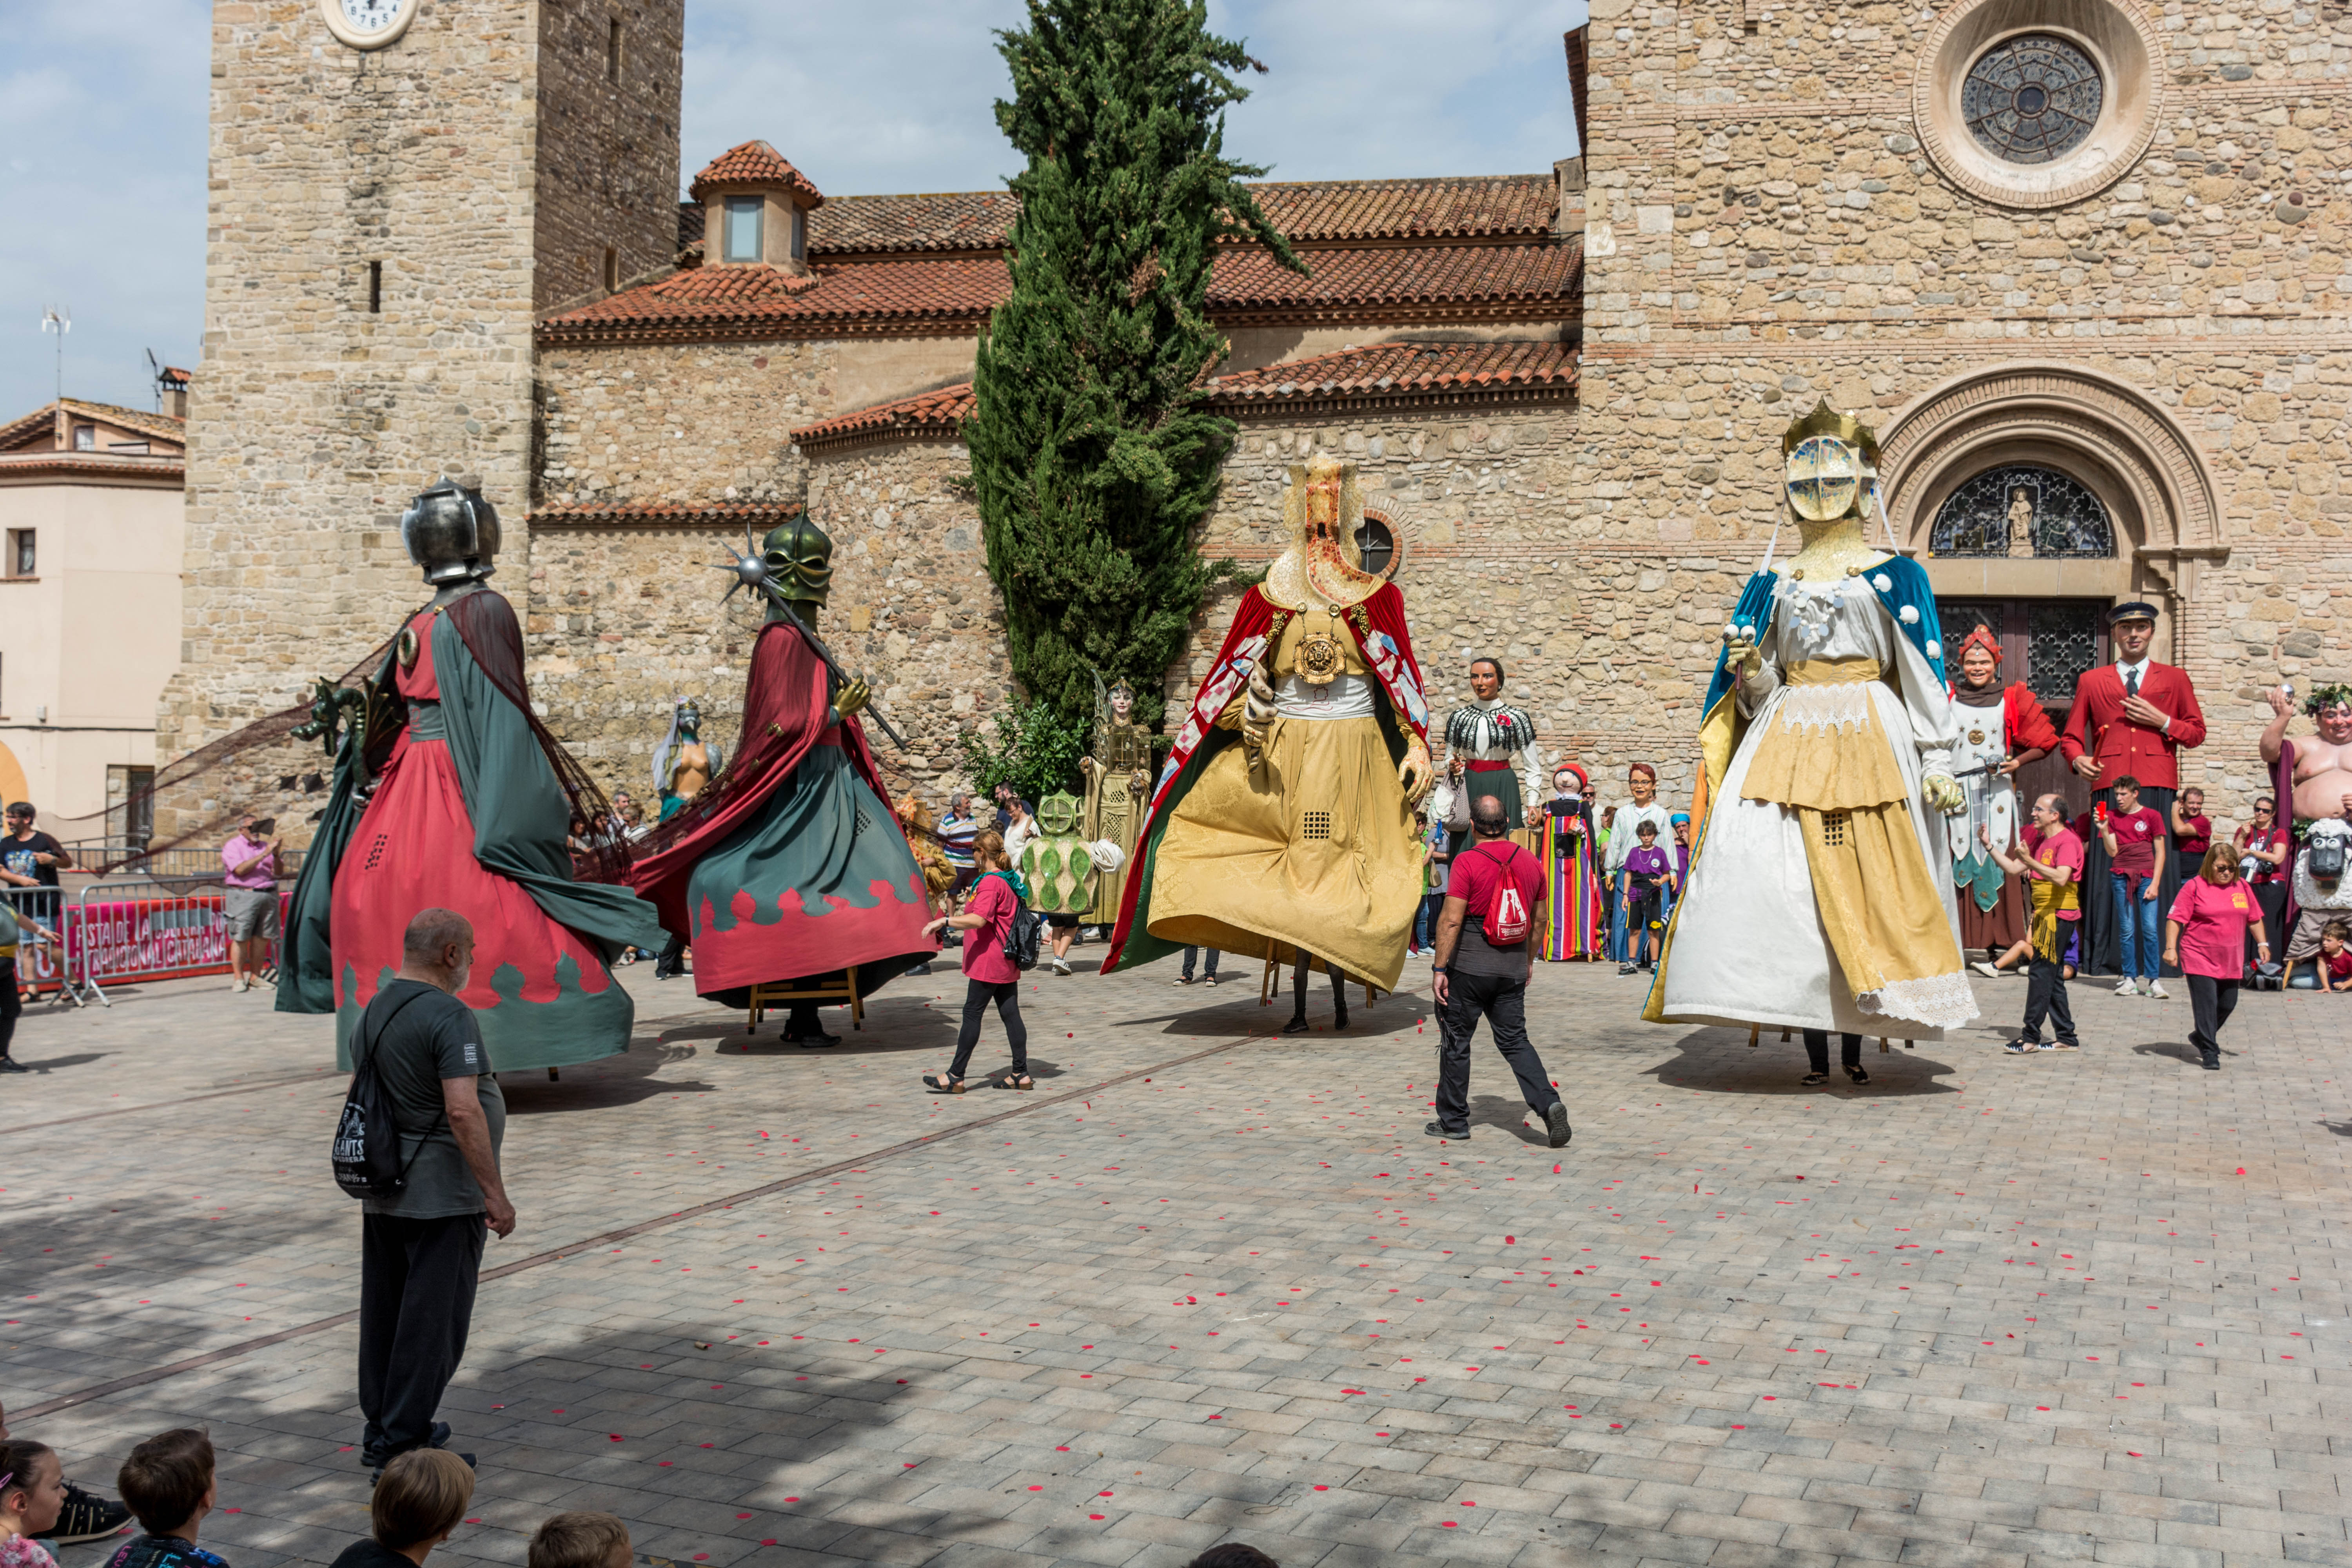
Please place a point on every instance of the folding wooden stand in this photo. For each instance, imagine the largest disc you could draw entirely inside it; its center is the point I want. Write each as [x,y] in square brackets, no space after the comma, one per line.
[784,993]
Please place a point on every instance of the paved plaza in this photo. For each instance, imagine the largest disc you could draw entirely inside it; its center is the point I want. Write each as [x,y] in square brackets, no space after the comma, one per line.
[779,1307]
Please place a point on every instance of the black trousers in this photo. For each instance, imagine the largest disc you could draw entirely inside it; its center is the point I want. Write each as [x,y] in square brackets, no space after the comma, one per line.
[2103,952]
[12,1005]
[1502,1002]
[2211,1002]
[2045,998]
[977,996]
[2271,898]
[417,1303]
[1817,1049]
[1302,971]
[672,959]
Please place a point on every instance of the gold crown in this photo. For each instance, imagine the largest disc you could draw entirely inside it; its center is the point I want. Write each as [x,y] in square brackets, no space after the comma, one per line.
[1827,421]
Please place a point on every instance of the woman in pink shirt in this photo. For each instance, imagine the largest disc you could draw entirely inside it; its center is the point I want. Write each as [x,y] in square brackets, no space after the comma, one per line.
[987,974]
[2205,937]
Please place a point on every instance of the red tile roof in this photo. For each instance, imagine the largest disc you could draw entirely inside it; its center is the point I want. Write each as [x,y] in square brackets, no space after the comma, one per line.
[752,163]
[1520,282]
[1495,207]
[1381,371]
[114,466]
[39,426]
[1399,368]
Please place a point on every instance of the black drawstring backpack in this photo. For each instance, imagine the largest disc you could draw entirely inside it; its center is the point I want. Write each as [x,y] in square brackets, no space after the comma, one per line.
[366,1152]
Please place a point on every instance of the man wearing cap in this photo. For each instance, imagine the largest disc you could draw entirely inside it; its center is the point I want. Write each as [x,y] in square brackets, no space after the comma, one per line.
[2130,720]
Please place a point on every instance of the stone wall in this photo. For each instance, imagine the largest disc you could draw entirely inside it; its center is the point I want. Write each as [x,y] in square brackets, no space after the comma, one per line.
[690,424]
[314,419]
[1768,232]
[608,171]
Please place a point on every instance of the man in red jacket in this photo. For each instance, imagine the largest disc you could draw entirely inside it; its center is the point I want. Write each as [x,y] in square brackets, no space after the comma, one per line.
[2130,720]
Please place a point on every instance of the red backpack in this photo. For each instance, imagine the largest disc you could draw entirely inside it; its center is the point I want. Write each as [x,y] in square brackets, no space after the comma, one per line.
[1505,922]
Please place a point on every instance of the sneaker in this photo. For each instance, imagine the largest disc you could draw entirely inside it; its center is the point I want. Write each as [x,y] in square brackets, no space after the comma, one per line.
[1556,1124]
[1435,1131]
[1211,983]
[1625,969]
[86,1517]
[241,985]
[1185,980]
[1988,971]
[10,1064]
[2127,987]
[2156,989]
[1061,964]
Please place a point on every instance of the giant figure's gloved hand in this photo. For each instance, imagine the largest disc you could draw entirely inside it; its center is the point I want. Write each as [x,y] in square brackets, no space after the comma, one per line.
[1416,772]
[849,699]
[1943,792]
[1739,647]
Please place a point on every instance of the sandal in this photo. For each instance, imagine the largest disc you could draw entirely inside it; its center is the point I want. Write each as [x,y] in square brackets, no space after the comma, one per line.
[1857,1075]
[2022,1047]
[942,1083]
[1016,1080]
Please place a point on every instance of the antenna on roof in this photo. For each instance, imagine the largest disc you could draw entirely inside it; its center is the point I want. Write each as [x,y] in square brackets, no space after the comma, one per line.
[155,374]
[59,318]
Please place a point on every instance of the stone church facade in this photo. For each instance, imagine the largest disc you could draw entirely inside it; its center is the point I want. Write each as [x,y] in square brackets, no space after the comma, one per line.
[2100,340]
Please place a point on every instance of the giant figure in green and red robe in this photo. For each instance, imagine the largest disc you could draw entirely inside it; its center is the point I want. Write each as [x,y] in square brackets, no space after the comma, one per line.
[790,866]
[449,793]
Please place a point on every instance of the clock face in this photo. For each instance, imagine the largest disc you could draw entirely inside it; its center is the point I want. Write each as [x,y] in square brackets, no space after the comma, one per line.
[367,23]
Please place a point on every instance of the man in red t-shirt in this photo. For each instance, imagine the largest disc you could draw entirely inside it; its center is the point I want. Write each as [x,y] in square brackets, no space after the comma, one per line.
[2192,830]
[2134,839]
[1474,977]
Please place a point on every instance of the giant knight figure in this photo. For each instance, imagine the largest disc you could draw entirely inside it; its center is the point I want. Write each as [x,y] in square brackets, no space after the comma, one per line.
[449,793]
[790,866]
[1283,820]
[1821,893]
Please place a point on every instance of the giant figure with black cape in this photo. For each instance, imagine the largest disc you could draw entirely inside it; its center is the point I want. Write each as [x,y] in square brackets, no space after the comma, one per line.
[449,793]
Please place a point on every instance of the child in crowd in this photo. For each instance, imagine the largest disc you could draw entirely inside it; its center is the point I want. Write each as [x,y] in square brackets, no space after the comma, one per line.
[1649,882]
[32,1490]
[580,1540]
[2336,957]
[86,1515]
[168,1482]
[419,1499]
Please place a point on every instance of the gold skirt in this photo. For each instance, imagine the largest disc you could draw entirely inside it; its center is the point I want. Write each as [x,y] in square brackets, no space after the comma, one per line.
[1319,852]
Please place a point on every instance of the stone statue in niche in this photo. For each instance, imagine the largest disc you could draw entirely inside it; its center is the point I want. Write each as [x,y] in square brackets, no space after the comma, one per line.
[2020,522]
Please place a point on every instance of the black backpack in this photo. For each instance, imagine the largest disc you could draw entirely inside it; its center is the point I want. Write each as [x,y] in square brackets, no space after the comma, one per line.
[366,1150]
[1025,935]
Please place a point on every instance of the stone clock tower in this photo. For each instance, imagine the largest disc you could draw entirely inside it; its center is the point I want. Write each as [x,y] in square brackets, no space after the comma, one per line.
[398,189]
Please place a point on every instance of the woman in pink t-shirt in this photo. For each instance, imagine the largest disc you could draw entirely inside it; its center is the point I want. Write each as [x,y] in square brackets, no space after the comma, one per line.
[2205,937]
[987,974]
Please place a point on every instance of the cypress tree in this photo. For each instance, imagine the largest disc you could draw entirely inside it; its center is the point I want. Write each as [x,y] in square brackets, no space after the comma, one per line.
[1095,457]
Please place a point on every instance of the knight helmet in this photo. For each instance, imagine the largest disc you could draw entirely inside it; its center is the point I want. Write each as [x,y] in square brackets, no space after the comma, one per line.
[799,557]
[452,532]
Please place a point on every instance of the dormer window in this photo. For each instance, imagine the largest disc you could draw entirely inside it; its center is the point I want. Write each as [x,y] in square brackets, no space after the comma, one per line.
[85,438]
[743,215]
[755,209]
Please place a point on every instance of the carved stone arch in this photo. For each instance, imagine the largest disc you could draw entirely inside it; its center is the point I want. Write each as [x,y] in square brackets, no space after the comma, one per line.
[2109,436]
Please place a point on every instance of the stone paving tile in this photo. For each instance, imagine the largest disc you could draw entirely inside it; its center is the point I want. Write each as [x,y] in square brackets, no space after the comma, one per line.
[2078,1309]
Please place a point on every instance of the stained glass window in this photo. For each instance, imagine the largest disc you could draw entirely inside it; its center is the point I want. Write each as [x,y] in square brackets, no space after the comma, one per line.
[2022,511]
[2032,99]
[2062,642]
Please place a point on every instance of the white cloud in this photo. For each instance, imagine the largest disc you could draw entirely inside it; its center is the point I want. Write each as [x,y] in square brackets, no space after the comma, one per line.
[103,194]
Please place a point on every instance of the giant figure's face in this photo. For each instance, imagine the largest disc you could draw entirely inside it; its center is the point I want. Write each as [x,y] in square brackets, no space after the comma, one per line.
[799,555]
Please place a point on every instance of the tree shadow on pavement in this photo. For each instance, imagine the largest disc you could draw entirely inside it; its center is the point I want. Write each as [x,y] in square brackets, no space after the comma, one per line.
[1720,1061]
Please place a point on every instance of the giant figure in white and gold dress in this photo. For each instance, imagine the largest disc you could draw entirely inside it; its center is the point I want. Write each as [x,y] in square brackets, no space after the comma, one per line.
[1820,894]
[1283,820]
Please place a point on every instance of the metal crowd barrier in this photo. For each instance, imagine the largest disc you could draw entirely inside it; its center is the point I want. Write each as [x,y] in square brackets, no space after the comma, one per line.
[123,932]
[191,863]
[43,968]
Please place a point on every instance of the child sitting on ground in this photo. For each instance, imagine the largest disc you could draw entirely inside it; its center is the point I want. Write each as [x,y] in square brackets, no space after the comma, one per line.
[580,1540]
[86,1515]
[2336,957]
[419,1500]
[168,1482]
[32,1490]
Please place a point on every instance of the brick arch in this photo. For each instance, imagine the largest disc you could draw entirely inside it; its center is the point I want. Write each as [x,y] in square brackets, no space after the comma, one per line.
[2114,438]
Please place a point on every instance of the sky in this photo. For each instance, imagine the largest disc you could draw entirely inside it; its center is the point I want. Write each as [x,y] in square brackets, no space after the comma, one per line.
[102,182]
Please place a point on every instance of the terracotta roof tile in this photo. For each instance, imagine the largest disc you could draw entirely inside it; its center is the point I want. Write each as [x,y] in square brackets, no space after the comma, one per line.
[1533,281]
[41,421]
[751,164]
[1382,370]
[1308,212]
[145,466]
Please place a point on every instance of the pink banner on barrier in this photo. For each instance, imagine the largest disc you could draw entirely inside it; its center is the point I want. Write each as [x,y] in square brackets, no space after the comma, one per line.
[119,943]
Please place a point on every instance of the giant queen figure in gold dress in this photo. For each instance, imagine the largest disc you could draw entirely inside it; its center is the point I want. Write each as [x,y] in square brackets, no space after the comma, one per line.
[1119,782]
[1283,820]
